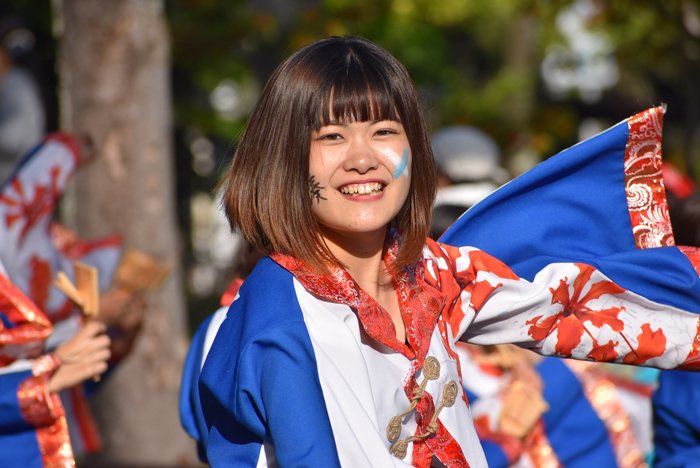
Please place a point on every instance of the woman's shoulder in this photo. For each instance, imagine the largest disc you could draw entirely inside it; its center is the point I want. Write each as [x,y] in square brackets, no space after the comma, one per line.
[264,319]
[266,303]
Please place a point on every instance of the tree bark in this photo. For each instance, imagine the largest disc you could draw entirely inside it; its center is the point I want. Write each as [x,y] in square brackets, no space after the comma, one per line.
[115,87]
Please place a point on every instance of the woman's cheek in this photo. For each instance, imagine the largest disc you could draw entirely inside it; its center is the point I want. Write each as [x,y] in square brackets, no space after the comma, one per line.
[401,163]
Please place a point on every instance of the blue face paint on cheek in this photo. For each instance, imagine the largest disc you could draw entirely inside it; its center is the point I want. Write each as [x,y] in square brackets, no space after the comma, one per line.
[402,165]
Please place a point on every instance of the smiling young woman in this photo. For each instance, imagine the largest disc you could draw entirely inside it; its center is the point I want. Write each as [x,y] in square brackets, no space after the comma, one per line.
[340,348]
[334,83]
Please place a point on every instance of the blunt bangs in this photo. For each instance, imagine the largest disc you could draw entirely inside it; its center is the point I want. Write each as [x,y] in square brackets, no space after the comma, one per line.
[353,90]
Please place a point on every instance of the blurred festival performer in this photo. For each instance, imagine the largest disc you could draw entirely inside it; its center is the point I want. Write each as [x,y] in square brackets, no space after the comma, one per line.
[468,163]
[676,412]
[546,412]
[34,248]
[355,314]
[531,410]
[21,108]
[33,428]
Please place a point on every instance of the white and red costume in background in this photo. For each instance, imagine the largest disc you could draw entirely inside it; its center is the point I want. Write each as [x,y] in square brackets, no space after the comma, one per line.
[34,248]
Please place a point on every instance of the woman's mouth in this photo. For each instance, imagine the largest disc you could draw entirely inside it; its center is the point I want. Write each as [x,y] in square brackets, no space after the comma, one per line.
[355,190]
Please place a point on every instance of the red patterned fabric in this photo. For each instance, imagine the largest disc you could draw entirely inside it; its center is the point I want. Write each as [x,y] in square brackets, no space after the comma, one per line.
[39,407]
[539,449]
[21,207]
[54,443]
[570,323]
[646,195]
[46,364]
[73,247]
[693,359]
[419,302]
[31,327]
[441,444]
[693,254]
[45,411]
[458,283]
[604,399]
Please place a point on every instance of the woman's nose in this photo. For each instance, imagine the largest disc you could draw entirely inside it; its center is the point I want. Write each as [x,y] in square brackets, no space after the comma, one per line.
[361,157]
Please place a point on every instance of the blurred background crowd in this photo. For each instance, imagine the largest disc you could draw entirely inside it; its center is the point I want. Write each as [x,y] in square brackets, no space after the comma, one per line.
[156,92]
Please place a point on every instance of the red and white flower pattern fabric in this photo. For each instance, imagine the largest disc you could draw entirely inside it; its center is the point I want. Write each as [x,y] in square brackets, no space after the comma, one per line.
[33,247]
[569,310]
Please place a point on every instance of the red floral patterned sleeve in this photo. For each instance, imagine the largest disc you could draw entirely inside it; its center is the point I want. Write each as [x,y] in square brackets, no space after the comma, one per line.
[568,310]
[23,331]
[39,406]
[29,328]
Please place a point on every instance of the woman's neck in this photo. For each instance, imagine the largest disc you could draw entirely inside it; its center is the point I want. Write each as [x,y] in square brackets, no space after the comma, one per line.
[361,253]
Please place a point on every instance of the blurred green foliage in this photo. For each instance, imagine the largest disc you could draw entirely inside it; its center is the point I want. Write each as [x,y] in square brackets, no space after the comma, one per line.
[474,61]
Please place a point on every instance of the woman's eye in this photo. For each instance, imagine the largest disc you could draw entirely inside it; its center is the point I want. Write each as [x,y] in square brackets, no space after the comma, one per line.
[385,132]
[330,136]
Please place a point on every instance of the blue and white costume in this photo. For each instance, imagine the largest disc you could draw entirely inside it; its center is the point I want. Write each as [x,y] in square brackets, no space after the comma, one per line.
[306,370]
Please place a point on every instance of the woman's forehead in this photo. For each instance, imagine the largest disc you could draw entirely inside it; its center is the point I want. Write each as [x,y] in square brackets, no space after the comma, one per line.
[351,112]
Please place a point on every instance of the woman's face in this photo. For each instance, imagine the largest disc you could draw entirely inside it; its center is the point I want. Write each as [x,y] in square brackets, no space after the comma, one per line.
[359,175]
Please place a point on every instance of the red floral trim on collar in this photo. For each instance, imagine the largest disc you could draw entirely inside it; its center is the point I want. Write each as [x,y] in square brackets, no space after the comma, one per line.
[419,302]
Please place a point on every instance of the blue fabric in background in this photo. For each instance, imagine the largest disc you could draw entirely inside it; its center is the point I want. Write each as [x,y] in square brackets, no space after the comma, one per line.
[677,420]
[19,447]
[569,413]
[190,408]
[573,208]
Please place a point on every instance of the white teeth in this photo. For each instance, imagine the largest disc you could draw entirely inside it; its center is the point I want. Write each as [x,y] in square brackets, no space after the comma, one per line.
[372,188]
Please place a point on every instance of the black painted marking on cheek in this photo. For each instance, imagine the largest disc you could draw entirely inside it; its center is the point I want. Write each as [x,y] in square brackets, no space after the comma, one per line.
[315,190]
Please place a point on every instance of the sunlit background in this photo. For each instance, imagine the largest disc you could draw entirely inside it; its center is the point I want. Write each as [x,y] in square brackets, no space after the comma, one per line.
[536,75]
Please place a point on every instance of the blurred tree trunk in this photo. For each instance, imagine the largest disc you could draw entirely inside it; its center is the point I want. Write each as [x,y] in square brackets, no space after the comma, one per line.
[115,87]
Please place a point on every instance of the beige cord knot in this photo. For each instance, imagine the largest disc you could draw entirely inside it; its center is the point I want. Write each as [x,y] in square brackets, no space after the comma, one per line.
[399,448]
[449,394]
[393,430]
[431,368]
[431,371]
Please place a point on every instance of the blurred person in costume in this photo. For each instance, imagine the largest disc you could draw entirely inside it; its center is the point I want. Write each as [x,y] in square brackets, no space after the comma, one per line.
[35,247]
[531,410]
[33,427]
[468,163]
[22,114]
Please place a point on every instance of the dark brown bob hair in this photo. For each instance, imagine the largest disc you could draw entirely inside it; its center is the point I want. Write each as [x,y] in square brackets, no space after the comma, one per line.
[353,80]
